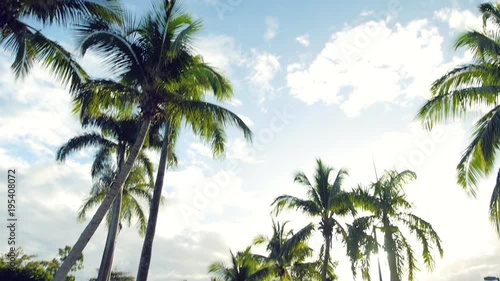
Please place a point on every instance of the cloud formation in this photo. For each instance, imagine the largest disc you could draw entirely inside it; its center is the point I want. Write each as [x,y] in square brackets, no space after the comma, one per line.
[272,25]
[370,63]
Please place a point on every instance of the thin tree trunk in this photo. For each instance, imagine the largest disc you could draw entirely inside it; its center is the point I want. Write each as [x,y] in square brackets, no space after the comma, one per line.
[390,248]
[147,247]
[378,254]
[326,258]
[116,187]
[109,250]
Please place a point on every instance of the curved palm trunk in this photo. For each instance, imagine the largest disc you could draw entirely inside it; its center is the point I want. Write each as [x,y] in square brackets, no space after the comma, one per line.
[326,258]
[116,187]
[390,248]
[109,250]
[147,247]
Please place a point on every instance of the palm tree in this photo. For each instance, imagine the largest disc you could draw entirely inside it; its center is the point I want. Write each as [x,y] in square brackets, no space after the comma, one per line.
[136,191]
[324,200]
[468,89]
[115,137]
[156,64]
[29,45]
[390,212]
[287,251]
[244,266]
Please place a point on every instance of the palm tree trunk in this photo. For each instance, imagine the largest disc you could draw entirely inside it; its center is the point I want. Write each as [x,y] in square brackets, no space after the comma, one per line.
[147,247]
[328,241]
[390,248]
[116,187]
[109,250]
[378,254]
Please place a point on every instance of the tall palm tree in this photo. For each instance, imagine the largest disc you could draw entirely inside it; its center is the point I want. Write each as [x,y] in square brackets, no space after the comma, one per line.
[244,266]
[113,139]
[155,62]
[468,89]
[325,200]
[287,251]
[29,45]
[390,212]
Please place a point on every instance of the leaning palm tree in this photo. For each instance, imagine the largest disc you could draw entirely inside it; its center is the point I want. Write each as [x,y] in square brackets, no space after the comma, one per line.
[325,200]
[244,266]
[113,140]
[287,251]
[136,195]
[390,213]
[155,62]
[136,191]
[27,43]
[469,89]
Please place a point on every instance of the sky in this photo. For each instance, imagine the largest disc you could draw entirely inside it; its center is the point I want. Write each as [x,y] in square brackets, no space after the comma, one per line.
[336,80]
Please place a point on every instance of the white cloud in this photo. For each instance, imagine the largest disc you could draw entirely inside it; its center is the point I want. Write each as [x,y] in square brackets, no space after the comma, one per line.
[264,69]
[370,63]
[36,112]
[240,150]
[303,40]
[9,161]
[366,13]
[199,148]
[220,51]
[459,20]
[237,149]
[272,26]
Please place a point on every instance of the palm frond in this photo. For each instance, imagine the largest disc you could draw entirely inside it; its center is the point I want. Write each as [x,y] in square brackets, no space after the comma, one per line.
[484,46]
[225,117]
[456,104]
[495,204]
[298,238]
[120,54]
[290,202]
[491,13]
[478,159]
[102,159]
[91,202]
[70,11]
[80,142]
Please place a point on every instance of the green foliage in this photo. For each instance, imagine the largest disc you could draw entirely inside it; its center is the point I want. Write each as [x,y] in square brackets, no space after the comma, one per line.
[158,73]
[30,46]
[390,212]
[468,89]
[244,266]
[325,200]
[19,266]
[112,137]
[136,191]
[288,251]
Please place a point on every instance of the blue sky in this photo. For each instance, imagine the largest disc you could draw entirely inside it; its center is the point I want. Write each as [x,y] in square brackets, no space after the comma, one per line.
[337,80]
